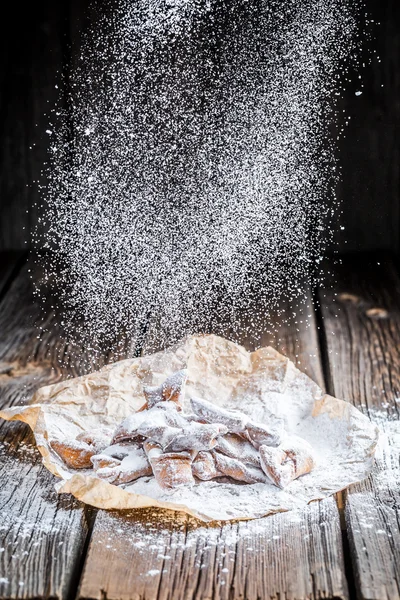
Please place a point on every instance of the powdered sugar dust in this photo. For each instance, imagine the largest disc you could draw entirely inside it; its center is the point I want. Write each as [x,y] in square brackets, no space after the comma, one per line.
[192,166]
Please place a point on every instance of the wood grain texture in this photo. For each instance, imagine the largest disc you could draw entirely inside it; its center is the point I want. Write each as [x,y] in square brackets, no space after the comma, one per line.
[157,554]
[42,535]
[361,317]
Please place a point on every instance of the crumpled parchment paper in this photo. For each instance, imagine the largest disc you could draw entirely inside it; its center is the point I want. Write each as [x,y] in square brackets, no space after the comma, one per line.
[263,384]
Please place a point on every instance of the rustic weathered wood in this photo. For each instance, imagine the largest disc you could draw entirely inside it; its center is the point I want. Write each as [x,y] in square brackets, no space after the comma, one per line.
[158,554]
[42,535]
[361,320]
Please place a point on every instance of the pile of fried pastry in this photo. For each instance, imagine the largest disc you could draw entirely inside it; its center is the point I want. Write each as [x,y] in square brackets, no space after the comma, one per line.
[182,449]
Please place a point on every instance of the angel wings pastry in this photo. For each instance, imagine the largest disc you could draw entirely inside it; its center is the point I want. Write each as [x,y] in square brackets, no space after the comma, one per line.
[204,427]
[184,449]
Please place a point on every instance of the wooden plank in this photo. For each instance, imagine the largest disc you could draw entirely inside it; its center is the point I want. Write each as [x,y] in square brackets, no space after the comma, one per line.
[361,319]
[42,535]
[158,554]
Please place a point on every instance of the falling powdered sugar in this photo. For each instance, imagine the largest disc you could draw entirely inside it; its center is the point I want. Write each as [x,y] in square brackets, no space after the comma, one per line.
[193,170]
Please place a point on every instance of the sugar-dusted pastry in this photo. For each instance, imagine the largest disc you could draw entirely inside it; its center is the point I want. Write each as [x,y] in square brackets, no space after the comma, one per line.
[234,421]
[172,469]
[164,414]
[162,423]
[153,396]
[153,450]
[259,434]
[97,439]
[132,466]
[176,447]
[235,468]
[236,446]
[173,416]
[203,467]
[173,386]
[111,456]
[75,453]
[293,458]
[170,390]
[195,436]
[162,434]
[101,461]
[127,429]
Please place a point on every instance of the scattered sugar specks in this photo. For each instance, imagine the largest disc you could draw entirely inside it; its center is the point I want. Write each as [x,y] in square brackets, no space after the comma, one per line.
[193,170]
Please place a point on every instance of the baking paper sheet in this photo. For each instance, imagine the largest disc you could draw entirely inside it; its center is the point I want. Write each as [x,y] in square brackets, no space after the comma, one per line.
[263,384]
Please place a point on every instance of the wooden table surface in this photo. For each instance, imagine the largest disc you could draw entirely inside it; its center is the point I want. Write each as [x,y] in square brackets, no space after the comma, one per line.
[346,337]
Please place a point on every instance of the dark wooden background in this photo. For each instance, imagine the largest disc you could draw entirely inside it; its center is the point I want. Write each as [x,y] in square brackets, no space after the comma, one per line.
[38,41]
